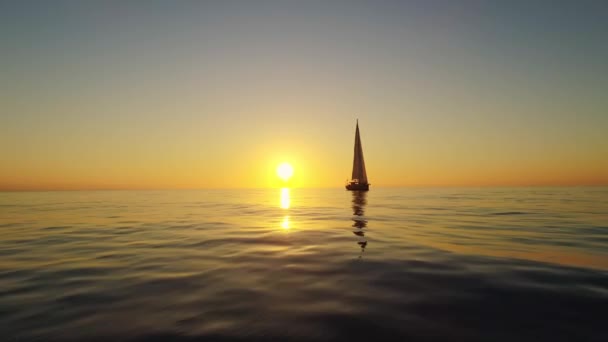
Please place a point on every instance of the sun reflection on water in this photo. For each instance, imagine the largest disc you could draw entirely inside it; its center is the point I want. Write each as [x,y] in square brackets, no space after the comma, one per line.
[285,204]
[285,223]
[285,199]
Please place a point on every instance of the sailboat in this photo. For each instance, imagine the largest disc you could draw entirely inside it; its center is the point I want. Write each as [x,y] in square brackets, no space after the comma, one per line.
[358,181]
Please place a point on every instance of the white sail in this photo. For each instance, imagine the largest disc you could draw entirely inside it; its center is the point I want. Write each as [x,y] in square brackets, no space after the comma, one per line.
[359,172]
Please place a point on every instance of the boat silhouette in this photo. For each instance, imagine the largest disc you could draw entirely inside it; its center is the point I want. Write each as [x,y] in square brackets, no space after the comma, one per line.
[358,181]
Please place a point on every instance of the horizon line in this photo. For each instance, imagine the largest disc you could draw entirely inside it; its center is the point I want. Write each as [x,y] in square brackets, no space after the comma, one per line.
[311,187]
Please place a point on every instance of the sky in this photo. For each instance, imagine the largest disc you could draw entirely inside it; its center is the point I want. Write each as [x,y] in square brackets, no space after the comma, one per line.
[215,94]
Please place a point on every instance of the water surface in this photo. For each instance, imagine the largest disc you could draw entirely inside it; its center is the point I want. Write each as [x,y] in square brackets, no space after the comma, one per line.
[500,264]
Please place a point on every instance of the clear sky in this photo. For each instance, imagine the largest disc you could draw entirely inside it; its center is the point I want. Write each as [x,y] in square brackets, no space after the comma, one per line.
[195,94]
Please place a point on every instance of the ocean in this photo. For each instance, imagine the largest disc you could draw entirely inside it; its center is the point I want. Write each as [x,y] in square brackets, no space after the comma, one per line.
[404,264]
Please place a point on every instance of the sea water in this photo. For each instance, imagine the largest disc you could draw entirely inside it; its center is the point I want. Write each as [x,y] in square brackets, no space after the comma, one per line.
[416,264]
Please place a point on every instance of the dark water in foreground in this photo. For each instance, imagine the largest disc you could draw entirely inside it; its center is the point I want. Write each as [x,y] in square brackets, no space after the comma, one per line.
[523,264]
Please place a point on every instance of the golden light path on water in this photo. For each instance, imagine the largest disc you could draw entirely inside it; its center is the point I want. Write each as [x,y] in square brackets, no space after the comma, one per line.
[285,223]
[285,198]
[285,204]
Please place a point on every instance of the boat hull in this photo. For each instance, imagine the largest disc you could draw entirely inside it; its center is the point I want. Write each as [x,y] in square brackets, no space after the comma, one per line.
[357,187]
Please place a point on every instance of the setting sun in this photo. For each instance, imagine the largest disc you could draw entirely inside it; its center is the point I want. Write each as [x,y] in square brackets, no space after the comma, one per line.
[285,171]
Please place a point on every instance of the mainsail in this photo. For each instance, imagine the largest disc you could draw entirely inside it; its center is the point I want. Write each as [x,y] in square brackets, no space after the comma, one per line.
[359,173]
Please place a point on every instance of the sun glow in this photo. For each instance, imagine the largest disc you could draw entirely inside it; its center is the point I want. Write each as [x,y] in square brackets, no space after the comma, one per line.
[285,171]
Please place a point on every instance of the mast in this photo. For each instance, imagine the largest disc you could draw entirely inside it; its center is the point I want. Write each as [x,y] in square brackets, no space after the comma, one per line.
[359,172]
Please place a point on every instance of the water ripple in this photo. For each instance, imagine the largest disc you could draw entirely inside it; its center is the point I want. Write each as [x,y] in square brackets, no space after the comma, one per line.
[232,265]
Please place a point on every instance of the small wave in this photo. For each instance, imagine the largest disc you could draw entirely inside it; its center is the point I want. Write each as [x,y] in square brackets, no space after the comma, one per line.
[55,228]
[507,213]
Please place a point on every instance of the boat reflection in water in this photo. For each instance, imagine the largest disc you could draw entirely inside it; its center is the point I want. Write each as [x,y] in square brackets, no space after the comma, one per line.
[285,204]
[359,222]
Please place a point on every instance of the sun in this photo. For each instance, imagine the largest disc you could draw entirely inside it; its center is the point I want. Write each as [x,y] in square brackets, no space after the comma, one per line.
[285,171]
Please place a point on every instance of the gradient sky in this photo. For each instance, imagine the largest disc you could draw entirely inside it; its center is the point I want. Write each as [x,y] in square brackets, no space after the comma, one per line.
[193,94]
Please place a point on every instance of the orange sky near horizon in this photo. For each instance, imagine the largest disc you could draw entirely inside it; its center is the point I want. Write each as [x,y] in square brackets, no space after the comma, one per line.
[315,165]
